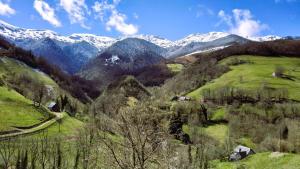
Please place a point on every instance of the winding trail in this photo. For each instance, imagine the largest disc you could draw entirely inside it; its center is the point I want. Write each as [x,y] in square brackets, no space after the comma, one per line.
[42,126]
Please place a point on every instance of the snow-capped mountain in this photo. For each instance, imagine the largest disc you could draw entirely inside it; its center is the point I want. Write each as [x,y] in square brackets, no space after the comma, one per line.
[211,36]
[69,53]
[79,48]
[130,53]
[124,57]
[205,46]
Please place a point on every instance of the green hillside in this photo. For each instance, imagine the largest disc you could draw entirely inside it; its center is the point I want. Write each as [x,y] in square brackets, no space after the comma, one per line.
[263,161]
[255,72]
[175,67]
[16,110]
[11,66]
[67,126]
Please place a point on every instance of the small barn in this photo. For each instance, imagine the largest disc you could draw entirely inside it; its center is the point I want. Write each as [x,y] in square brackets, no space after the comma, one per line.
[240,152]
[53,106]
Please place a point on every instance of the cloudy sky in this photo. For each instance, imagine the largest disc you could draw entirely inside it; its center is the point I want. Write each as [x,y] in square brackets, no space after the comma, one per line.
[172,19]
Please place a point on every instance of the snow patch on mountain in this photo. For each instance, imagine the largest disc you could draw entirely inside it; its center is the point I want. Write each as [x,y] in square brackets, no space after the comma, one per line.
[100,42]
[112,60]
[159,41]
[211,36]
[207,50]
[265,38]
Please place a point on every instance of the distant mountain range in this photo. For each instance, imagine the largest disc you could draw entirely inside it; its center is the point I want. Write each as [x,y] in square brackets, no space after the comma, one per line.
[72,52]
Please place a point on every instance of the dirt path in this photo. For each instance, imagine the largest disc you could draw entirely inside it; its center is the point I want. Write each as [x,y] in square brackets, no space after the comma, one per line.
[58,116]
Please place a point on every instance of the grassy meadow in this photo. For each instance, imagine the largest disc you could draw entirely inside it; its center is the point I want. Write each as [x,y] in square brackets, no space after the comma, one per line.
[256,72]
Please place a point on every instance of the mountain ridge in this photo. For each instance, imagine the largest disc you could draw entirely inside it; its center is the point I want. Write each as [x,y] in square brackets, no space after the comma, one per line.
[105,41]
[73,52]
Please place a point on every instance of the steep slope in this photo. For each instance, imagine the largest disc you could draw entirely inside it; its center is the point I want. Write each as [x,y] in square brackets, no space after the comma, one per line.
[122,58]
[16,110]
[79,88]
[68,53]
[50,50]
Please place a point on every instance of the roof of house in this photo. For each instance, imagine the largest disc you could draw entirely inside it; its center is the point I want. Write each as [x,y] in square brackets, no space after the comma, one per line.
[51,104]
[242,148]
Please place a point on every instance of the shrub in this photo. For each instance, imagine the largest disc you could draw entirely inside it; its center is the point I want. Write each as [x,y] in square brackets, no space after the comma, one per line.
[279,71]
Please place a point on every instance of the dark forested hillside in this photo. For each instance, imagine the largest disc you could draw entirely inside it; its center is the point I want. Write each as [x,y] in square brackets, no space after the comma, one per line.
[80,88]
[271,48]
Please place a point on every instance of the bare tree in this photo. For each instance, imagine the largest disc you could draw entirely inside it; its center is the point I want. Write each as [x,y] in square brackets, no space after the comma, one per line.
[139,141]
[40,91]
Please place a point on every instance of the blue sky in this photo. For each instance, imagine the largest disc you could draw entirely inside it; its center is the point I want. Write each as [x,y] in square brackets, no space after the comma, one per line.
[172,19]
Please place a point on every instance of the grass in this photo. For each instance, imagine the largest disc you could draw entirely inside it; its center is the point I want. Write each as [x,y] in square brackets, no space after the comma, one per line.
[68,126]
[219,114]
[175,67]
[16,110]
[245,141]
[259,71]
[217,131]
[8,66]
[262,161]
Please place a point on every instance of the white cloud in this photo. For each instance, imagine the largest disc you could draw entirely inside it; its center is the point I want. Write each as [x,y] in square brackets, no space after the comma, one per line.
[115,19]
[46,12]
[6,10]
[241,22]
[76,9]
[102,8]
